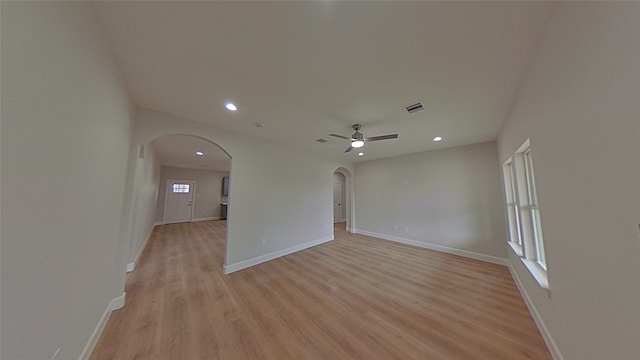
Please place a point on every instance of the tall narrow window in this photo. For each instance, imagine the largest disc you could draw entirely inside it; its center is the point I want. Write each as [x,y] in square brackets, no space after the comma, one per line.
[538,244]
[513,213]
[525,227]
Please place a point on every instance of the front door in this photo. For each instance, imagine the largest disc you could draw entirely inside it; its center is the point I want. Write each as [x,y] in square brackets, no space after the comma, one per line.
[178,204]
[337,202]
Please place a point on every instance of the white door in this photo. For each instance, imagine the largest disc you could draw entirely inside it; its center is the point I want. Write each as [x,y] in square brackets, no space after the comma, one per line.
[337,202]
[178,203]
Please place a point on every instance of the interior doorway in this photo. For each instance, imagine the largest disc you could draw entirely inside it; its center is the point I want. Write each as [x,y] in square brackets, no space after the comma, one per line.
[338,198]
[343,210]
[195,186]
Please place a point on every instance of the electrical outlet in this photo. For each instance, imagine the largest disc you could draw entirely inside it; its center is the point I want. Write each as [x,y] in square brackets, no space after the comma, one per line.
[264,242]
[55,354]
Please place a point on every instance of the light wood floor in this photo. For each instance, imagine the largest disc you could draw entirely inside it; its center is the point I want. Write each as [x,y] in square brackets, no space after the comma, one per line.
[353,298]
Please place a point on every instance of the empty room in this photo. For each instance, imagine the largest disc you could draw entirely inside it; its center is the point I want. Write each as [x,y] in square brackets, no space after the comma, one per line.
[319,180]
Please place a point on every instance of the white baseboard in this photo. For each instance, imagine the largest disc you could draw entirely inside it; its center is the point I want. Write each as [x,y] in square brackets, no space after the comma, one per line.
[114,304]
[441,248]
[158,223]
[132,265]
[206,218]
[546,335]
[228,269]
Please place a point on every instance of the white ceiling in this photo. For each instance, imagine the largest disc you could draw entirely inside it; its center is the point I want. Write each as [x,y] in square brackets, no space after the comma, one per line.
[180,151]
[307,69]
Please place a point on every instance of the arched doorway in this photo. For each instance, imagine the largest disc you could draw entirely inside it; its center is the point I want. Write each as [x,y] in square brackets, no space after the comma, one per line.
[162,172]
[343,184]
[195,176]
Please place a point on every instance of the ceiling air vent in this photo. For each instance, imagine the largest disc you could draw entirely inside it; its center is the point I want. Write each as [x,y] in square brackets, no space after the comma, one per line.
[411,108]
[321,141]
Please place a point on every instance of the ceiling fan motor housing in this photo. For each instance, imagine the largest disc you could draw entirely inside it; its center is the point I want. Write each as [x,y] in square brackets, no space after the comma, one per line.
[356,135]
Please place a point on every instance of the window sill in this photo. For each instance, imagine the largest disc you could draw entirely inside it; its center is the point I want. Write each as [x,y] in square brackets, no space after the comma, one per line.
[537,272]
[516,248]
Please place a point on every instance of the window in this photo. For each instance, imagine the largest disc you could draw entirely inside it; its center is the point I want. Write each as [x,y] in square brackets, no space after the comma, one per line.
[534,211]
[523,212]
[180,188]
[513,213]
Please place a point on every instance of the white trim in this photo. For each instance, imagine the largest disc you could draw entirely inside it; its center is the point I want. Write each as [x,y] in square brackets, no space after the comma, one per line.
[161,222]
[546,335]
[132,265]
[538,273]
[517,249]
[115,304]
[441,248]
[228,269]
[206,218]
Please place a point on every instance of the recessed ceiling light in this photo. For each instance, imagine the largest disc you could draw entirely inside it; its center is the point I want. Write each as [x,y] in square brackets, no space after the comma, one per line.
[360,154]
[199,153]
[437,138]
[231,106]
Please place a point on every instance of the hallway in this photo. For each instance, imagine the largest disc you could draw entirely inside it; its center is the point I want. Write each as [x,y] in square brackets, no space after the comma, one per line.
[353,298]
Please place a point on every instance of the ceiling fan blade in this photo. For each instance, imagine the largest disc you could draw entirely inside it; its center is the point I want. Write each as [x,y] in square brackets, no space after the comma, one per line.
[382,137]
[349,149]
[340,136]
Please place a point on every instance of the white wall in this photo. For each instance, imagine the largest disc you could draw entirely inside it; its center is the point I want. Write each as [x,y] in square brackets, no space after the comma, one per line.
[65,137]
[276,193]
[145,198]
[206,204]
[579,105]
[448,198]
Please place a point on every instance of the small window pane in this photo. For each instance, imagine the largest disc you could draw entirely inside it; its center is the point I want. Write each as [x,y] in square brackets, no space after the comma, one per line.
[180,188]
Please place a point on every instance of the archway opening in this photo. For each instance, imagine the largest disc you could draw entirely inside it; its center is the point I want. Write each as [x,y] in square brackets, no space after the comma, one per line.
[343,210]
[179,178]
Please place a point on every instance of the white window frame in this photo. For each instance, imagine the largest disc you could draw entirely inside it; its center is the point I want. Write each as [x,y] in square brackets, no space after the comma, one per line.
[513,211]
[523,212]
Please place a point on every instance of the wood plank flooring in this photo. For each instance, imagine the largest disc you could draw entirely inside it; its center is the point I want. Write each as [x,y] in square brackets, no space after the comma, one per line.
[356,297]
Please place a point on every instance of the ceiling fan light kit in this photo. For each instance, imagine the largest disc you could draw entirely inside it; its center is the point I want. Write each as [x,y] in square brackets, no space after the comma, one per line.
[357,143]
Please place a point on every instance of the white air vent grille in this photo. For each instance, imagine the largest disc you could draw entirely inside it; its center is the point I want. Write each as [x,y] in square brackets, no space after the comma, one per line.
[411,108]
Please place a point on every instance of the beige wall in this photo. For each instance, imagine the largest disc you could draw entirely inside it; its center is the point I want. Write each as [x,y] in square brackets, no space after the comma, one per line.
[208,191]
[579,106]
[449,198]
[65,139]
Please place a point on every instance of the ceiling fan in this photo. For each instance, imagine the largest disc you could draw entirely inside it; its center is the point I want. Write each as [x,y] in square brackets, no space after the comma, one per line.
[357,139]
